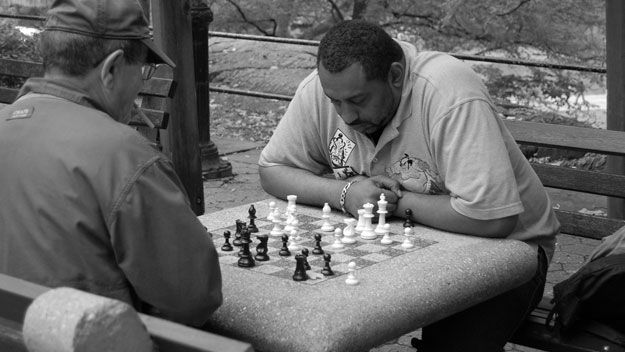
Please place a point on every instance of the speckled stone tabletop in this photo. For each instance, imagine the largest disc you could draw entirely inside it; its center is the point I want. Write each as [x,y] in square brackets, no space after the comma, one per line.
[394,296]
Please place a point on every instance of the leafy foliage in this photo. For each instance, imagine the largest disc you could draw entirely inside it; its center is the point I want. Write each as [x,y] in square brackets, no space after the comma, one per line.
[18,46]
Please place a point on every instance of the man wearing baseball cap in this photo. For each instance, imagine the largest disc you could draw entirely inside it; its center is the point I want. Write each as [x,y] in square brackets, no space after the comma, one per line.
[87,202]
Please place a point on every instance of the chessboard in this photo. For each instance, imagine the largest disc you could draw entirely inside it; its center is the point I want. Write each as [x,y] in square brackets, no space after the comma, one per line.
[363,252]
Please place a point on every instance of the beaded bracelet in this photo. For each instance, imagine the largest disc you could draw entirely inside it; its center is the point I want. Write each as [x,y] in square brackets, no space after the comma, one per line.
[344,195]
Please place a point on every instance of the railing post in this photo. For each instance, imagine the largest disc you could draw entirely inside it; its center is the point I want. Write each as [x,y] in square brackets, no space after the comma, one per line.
[212,165]
[615,52]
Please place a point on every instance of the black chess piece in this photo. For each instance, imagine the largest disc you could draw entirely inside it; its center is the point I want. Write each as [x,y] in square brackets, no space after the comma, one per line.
[408,222]
[261,248]
[305,254]
[317,249]
[252,216]
[300,268]
[246,259]
[243,234]
[327,271]
[227,247]
[284,251]
[237,234]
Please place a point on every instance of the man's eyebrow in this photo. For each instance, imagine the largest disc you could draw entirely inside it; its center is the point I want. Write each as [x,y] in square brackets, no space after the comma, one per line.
[352,98]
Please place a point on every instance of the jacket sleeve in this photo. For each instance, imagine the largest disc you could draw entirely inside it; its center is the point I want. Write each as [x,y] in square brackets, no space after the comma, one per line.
[167,255]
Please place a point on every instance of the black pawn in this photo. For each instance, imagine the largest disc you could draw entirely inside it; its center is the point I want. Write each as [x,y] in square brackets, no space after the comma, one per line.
[261,249]
[252,216]
[327,271]
[317,249]
[305,254]
[237,233]
[408,222]
[300,268]
[246,259]
[227,247]
[284,251]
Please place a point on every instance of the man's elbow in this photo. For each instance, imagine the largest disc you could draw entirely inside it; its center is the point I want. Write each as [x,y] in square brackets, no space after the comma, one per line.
[501,228]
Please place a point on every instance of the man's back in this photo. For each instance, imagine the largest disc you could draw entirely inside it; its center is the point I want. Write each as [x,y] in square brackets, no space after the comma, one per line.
[88,203]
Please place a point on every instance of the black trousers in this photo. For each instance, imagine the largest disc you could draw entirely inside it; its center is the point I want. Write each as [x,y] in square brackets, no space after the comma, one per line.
[488,326]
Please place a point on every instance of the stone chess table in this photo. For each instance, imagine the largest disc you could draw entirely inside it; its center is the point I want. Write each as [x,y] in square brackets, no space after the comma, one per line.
[399,290]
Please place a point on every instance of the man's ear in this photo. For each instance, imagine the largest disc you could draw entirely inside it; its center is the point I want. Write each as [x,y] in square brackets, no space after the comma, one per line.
[396,74]
[110,67]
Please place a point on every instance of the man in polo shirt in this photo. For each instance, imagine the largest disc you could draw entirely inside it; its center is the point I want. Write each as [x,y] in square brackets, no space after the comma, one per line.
[421,128]
[87,202]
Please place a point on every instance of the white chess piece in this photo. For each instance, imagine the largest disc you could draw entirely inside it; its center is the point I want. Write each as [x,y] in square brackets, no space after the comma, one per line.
[351,276]
[338,233]
[277,229]
[326,227]
[407,238]
[382,203]
[293,246]
[386,239]
[272,208]
[348,232]
[295,225]
[367,229]
[291,209]
[361,221]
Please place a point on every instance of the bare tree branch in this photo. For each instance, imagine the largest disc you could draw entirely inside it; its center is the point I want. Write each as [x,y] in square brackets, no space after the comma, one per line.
[335,9]
[254,23]
[523,2]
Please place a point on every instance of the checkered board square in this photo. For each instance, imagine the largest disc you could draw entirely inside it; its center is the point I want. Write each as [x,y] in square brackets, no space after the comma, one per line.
[364,252]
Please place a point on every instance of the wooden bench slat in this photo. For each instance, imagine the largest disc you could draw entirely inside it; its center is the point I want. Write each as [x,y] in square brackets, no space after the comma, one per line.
[581,180]
[586,225]
[8,95]
[20,68]
[568,137]
[159,118]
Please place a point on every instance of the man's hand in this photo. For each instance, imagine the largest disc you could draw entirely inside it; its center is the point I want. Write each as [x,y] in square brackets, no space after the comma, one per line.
[368,190]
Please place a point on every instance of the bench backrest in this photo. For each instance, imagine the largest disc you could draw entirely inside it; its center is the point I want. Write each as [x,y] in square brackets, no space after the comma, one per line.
[16,295]
[153,94]
[611,143]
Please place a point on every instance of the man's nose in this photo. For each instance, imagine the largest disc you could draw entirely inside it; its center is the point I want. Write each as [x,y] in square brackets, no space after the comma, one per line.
[348,114]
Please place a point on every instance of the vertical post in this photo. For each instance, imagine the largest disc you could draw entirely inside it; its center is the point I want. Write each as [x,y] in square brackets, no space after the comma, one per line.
[212,165]
[172,31]
[615,46]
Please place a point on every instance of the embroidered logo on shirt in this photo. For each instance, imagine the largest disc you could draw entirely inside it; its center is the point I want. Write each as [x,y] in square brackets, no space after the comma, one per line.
[415,175]
[21,113]
[340,149]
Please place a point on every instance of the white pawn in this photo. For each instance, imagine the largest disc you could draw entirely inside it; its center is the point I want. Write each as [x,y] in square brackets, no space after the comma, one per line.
[326,227]
[293,246]
[338,233]
[272,209]
[386,239]
[361,221]
[382,203]
[295,225]
[368,232]
[407,241]
[277,224]
[351,276]
[349,232]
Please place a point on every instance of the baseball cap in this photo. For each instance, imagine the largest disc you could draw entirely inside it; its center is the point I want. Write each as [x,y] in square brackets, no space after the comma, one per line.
[106,19]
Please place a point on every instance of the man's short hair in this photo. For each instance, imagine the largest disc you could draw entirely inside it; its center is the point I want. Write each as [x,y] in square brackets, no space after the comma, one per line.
[361,42]
[76,54]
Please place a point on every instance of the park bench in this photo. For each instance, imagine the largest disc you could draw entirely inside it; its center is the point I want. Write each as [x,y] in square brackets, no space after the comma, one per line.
[17,295]
[534,333]
[152,97]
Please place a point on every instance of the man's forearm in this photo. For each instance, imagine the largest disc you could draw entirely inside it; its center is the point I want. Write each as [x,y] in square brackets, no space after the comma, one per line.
[436,211]
[280,181]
